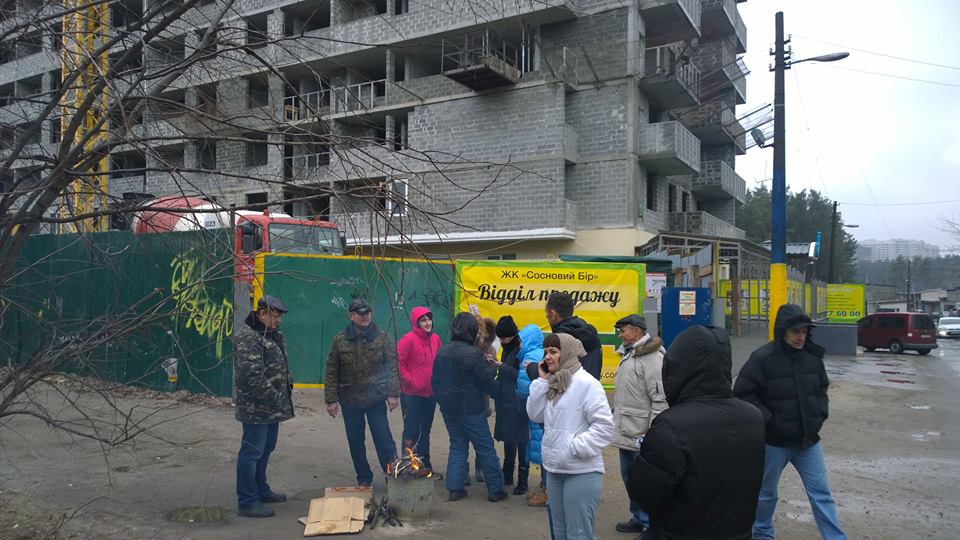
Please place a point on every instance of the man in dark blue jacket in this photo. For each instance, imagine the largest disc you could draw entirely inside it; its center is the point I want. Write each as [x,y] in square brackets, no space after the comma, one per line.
[559,313]
[787,381]
[461,375]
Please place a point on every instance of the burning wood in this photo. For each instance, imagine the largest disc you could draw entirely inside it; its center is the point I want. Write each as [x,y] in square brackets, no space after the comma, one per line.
[408,466]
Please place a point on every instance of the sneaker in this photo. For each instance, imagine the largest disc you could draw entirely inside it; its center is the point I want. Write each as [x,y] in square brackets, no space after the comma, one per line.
[273,497]
[456,495]
[539,497]
[631,526]
[256,511]
[498,496]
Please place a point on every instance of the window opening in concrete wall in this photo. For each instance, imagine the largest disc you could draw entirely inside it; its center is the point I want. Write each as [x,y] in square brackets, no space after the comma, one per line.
[401,7]
[169,105]
[401,130]
[257,31]
[258,92]
[651,192]
[396,197]
[132,64]
[362,196]
[30,88]
[29,44]
[207,154]
[256,149]
[54,130]
[671,198]
[353,10]
[304,152]
[7,94]
[685,202]
[257,201]
[304,17]
[170,157]
[126,14]
[207,98]
[306,202]
[166,52]
[131,164]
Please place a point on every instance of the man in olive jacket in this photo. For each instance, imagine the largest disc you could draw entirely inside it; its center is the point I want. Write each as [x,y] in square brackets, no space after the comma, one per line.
[786,380]
[361,377]
[262,394]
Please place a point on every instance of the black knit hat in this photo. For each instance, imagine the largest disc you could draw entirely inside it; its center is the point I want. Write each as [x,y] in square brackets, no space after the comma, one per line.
[506,327]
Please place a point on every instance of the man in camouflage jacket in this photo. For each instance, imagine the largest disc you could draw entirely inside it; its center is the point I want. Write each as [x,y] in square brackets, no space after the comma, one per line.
[361,376]
[262,394]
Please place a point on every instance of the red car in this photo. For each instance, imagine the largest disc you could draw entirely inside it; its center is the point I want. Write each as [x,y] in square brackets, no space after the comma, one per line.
[897,332]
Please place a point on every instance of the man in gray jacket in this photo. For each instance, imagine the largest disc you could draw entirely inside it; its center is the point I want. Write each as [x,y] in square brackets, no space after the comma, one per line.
[639,398]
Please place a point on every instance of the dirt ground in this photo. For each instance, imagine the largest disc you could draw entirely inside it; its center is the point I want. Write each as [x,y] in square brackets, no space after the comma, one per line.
[892,444]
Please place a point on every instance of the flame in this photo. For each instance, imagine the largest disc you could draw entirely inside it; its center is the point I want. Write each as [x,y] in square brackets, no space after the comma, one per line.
[414,462]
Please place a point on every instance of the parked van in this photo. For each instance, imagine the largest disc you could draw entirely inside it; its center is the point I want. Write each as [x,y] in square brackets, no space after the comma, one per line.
[897,332]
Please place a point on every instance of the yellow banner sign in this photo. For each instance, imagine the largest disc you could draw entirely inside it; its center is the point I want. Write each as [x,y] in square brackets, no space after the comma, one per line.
[845,302]
[603,293]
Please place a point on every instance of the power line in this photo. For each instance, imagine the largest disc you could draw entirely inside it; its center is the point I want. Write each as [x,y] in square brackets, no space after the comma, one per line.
[924,62]
[925,203]
[892,76]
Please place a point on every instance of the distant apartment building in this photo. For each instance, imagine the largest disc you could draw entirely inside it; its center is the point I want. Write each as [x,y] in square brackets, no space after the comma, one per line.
[888,250]
[516,129]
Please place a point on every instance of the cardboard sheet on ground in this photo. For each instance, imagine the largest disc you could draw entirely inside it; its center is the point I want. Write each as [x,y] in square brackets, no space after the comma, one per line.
[337,515]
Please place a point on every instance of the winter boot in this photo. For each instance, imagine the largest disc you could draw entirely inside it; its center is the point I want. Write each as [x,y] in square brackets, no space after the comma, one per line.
[522,474]
[507,473]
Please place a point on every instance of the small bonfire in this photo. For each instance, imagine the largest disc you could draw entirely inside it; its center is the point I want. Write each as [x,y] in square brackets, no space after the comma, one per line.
[408,466]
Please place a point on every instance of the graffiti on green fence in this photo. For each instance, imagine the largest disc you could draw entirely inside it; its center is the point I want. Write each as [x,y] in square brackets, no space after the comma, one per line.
[210,317]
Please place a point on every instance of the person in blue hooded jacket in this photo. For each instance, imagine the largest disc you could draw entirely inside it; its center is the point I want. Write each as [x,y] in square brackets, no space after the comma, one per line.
[531,354]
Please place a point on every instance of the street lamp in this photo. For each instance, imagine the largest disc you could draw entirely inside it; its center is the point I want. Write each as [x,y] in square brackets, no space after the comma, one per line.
[778,198]
[831,277]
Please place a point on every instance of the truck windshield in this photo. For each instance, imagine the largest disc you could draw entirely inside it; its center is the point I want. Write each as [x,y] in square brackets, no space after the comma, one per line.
[294,238]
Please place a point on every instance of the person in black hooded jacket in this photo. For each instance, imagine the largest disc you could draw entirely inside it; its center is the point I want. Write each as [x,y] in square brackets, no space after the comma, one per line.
[786,380]
[559,313]
[461,375]
[701,461]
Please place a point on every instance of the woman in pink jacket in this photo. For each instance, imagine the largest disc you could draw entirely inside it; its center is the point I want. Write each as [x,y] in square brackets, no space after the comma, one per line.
[416,351]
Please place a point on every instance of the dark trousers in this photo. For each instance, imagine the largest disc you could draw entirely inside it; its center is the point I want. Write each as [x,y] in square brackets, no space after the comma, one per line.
[418,415]
[257,444]
[354,421]
[513,452]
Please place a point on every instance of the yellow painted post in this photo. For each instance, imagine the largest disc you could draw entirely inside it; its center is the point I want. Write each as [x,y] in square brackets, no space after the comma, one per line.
[778,293]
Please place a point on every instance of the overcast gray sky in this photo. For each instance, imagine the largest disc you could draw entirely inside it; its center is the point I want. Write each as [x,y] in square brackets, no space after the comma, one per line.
[869,141]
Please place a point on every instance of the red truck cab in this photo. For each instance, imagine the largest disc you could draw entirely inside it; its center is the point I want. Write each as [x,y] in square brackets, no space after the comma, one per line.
[279,233]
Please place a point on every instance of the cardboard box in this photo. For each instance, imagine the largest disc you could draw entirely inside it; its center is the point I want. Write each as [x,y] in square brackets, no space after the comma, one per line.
[334,515]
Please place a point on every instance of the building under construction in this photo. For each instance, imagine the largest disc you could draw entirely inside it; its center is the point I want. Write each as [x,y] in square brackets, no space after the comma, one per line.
[476,129]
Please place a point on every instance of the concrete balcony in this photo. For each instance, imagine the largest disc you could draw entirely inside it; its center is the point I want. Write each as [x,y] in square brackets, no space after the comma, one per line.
[352,98]
[721,69]
[721,18]
[703,224]
[717,180]
[668,82]
[668,148]
[670,20]
[716,124]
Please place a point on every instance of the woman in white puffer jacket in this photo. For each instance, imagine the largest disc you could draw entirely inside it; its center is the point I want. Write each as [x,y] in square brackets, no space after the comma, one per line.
[578,425]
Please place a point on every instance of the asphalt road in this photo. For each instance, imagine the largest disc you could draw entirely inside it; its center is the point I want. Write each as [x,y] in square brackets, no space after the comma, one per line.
[892,444]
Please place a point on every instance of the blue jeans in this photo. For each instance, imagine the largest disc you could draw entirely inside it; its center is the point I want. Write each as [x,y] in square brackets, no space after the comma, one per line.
[257,443]
[417,422]
[812,468]
[573,504]
[471,429]
[627,457]
[353,422]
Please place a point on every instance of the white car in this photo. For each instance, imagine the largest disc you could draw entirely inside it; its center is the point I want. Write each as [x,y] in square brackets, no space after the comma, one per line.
[949,327]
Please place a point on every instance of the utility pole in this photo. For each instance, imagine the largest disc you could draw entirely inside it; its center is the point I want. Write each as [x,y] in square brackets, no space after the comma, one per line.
[909,287]
[778,195]
[833,245]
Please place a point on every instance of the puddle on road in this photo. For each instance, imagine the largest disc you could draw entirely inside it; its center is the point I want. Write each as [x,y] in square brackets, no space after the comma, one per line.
[200,514]
[926,436]
[889,374]
[919,407]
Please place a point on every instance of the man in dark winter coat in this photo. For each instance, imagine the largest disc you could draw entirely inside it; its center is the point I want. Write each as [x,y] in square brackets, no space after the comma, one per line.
[786,380]
[559,312]
[461,375]
[362,380]
[701,461]
[262,394]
